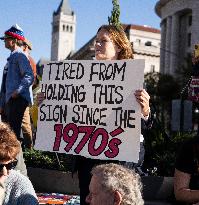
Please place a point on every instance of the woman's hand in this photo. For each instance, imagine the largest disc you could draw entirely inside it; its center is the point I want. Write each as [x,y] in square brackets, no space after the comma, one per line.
[195,60]
[142,97]
[40,98]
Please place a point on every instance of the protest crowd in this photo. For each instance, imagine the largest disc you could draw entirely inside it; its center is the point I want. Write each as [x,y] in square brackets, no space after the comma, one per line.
[101,181]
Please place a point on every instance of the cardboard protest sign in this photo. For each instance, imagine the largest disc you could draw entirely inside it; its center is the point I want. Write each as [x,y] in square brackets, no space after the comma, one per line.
[90,109]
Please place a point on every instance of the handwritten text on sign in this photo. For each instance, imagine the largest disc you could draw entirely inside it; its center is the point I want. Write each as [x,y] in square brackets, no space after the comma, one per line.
[90,109]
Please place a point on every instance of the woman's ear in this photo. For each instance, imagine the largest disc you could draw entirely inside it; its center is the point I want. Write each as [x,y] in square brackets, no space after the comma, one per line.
[117,198]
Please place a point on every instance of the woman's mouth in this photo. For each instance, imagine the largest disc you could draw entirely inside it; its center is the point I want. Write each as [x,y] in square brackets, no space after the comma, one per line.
[97,51]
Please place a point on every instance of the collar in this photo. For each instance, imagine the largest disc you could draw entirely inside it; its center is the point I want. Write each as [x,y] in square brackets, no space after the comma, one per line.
[18,49]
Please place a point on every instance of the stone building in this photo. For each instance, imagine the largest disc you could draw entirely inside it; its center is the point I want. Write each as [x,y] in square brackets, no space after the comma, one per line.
[146,45]
[179,32]
[63,32]
[145,41]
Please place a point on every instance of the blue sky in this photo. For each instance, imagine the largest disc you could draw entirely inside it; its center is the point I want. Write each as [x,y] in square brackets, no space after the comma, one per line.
[35,17]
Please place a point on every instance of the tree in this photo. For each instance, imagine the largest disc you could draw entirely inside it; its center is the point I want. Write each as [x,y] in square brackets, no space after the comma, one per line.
[114,19]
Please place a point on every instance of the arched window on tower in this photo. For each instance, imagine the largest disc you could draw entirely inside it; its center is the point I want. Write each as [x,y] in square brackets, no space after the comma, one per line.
[67,28]
[71,29]
[63,27]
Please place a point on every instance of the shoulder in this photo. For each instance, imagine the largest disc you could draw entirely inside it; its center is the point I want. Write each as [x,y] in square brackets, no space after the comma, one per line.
[18,52]
[18,55]
[20,189]
[15,177]
[19,183]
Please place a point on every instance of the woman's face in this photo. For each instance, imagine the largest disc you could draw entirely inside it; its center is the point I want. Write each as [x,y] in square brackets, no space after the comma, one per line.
[9,44]
[105,48]
[5,167]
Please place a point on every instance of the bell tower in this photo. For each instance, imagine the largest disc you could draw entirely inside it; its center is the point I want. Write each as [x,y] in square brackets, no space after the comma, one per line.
[63,32]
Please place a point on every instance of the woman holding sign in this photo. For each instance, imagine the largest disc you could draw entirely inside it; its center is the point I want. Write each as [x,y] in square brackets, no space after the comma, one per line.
[111,44]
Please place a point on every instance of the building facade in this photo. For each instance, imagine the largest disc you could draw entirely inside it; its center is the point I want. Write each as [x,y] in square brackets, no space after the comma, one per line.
[63,32]
[179,32]
[145,41]
[146,45]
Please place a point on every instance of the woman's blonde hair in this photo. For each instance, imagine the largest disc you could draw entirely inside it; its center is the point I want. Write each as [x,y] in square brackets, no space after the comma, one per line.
[119,37]
[9,145]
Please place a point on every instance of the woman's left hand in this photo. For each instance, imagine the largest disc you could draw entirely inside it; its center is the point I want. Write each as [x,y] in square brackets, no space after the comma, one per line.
[143,98]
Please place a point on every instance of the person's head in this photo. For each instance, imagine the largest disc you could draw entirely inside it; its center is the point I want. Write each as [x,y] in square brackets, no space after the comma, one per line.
[112,44]
[113,184]
[9,148]
[13,37]
[27,46]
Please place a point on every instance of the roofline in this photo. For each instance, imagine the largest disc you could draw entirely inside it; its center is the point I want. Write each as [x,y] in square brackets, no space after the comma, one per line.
[63,3]
[159,5]
[141,28]
[146,54]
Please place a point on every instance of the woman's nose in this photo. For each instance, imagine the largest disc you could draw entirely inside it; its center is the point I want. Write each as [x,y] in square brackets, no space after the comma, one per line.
[98,43]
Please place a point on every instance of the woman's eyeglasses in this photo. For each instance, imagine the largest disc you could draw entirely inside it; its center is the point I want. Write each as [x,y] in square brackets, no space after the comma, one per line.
[9,166]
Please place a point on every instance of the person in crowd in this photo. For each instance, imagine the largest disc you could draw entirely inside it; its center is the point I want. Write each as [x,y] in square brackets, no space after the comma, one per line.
[26,123]
[19,78]
[16,92]
[18,188]
[2,94]
[27,48]
[186,177]
[113,184]
[111,44]
[2,192]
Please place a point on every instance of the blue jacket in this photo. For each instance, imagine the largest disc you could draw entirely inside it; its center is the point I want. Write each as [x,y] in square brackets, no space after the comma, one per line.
[19,77]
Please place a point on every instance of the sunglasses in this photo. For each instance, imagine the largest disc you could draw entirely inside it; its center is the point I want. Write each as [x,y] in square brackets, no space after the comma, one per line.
[9,166]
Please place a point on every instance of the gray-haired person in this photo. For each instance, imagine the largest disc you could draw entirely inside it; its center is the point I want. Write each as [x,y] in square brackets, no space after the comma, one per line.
[113,184]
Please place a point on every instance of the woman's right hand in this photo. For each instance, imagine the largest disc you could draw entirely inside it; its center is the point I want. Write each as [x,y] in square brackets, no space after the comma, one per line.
[195,60]
[40,98]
